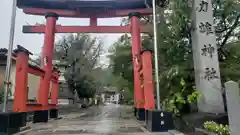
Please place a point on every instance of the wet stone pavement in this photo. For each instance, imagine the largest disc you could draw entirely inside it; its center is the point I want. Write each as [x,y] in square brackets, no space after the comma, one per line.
[103,120]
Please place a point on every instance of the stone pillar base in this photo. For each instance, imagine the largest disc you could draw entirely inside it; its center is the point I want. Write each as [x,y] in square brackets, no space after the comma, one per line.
[159,121]
[40,116]
[140,114]
[11,122]
[53,113]
[146,117]
[135,111]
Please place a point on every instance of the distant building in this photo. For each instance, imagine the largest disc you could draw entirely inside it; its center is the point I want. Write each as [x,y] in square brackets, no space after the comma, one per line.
[110,94]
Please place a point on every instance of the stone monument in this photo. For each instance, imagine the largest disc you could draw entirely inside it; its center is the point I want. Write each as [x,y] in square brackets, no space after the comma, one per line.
[233,105]
[206,64]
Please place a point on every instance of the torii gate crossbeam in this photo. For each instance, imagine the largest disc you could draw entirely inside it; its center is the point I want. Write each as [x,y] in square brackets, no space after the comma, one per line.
[84,29]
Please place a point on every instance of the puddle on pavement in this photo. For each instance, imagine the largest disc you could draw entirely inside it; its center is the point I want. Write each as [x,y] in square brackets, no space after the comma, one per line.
[129,130]
[89,114]
[41,129]
[68,132]
[125,118]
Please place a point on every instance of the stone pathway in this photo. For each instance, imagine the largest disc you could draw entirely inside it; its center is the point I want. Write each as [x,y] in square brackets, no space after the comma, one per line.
[105,120]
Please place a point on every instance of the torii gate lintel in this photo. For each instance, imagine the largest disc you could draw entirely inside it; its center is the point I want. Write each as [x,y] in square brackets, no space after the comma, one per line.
[92,28]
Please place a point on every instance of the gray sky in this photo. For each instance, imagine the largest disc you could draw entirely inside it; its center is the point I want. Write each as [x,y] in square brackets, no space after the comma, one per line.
[34,42]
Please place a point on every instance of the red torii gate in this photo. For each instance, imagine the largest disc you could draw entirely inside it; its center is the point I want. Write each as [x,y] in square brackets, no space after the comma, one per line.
[142,60]
[135,28]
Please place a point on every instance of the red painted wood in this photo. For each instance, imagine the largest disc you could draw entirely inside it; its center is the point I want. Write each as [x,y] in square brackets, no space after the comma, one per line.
[136,48]
[83,29]
[46,61]
[147,80]
[55,91]
[21,82]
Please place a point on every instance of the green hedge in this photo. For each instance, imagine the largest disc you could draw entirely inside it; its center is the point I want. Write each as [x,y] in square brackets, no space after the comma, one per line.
[219,129]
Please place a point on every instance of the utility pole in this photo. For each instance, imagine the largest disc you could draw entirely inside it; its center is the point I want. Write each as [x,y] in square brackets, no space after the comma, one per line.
[156,53]
[7,82]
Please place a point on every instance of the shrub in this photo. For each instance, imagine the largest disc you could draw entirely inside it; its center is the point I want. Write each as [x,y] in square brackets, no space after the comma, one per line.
[219,129]
[176,101]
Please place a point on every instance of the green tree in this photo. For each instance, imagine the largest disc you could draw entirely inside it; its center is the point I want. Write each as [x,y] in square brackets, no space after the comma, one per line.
[121,64]
[175,45]
[81,54]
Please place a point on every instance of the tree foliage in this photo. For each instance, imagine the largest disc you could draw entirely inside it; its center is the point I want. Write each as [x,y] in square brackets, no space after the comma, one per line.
[121,64]
[80,53]
[175,46]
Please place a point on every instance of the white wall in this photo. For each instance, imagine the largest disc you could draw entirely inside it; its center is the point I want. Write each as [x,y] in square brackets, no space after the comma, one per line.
[12,78]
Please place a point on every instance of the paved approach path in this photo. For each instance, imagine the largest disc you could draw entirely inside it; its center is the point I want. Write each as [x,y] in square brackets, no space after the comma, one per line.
[104,120]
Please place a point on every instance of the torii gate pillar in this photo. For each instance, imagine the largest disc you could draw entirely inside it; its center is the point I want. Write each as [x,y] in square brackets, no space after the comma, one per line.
[46,60]
[136,49]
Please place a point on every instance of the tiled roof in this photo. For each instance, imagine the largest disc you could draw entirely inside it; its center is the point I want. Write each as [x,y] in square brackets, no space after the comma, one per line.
[3,52]
[3,55]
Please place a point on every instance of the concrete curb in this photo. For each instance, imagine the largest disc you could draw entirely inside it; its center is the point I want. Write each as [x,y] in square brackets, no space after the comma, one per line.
[24,130]
[141,126]
[175,132]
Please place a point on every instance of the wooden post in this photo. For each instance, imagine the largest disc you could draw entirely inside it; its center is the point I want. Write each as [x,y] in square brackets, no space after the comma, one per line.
[46,61]
[21,87]
[147,79]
